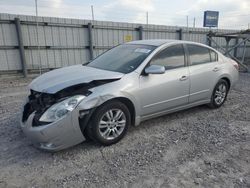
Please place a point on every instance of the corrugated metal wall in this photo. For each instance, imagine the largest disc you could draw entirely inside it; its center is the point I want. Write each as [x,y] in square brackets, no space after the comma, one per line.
[65,42]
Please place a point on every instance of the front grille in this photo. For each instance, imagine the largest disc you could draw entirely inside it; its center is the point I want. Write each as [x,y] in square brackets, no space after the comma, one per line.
[27,110]
[38,102]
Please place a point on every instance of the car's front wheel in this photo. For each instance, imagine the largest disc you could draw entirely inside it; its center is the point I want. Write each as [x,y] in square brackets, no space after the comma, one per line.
[109,123]
[219,94]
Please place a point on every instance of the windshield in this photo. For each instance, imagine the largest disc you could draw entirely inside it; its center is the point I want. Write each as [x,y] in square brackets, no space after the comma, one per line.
[123,58]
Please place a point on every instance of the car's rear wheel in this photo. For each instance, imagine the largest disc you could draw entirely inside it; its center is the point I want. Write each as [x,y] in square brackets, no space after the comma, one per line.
[109,123]
[219,94]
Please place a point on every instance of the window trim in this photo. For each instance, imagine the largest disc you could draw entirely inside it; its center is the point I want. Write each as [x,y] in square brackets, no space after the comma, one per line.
[216,54]
[210,49]
[164,48]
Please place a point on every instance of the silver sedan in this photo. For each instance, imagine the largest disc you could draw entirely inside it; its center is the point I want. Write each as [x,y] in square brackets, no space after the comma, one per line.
[124,86]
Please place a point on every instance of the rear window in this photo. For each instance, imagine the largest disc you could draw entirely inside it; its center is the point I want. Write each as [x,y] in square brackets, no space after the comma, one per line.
[200,55]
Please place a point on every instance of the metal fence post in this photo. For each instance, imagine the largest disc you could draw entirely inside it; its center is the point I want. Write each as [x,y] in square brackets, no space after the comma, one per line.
[236,49]
[244,52]
[227,44]
[20,44]
[140,33]
[209,39]
[91,48]
[179,31]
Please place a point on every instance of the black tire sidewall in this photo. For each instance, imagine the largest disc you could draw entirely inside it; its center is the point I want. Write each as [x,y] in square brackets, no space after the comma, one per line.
[213,103]
[94,123]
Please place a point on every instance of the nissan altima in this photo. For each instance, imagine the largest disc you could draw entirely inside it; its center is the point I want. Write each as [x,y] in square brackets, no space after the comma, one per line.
[124,86]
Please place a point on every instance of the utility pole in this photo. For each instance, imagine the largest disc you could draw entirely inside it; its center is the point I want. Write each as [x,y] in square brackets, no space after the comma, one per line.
[147,23]
[92,11]
[92,33]
[187,29]
[194,23]
[147,18]
[38,44]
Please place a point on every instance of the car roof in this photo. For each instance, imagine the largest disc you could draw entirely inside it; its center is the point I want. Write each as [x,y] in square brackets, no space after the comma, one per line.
[159,42]
[153,42]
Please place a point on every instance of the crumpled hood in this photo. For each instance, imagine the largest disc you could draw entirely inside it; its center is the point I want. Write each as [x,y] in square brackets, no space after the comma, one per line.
[56,80]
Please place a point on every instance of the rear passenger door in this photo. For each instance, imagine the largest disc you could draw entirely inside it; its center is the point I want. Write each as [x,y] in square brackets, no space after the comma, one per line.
[204,70]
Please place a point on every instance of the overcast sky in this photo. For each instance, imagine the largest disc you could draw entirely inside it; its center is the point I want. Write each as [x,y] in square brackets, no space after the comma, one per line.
[234,14]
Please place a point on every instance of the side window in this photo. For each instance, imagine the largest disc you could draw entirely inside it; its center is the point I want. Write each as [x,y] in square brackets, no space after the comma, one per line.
[198,54]
[171,57]
[213,55]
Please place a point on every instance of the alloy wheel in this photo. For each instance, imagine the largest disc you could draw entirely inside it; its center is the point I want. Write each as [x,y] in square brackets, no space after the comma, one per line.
[112,124]
[220,94]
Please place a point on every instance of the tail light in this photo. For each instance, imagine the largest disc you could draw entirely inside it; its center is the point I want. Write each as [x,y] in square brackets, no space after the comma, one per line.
[236,65]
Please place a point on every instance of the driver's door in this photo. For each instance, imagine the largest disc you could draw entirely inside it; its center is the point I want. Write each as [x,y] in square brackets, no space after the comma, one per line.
[161,92]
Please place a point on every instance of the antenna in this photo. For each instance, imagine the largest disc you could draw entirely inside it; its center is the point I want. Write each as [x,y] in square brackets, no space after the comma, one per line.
[147,23]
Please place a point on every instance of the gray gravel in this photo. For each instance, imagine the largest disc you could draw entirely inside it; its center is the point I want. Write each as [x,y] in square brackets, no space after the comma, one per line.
[198,147]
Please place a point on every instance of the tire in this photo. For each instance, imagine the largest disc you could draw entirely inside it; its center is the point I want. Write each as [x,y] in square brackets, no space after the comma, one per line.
[219,95]
[107,129]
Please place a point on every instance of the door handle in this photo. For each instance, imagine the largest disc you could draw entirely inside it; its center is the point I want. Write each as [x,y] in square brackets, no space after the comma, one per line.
[216,69]
[183,78]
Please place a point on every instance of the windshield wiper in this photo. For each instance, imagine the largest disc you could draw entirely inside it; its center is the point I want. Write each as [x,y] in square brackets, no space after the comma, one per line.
[84,64]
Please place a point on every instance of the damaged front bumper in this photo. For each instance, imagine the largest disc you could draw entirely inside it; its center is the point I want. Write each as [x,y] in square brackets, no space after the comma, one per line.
[54,136]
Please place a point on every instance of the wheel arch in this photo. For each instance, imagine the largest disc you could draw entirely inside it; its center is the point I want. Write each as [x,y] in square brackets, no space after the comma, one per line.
[129,104]
[227,80]
[84,122]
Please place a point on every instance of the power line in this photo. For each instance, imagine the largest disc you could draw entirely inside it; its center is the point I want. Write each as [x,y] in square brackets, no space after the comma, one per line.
[123,15]
[121,12]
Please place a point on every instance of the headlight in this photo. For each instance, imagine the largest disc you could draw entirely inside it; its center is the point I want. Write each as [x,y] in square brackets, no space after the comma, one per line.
[60,109]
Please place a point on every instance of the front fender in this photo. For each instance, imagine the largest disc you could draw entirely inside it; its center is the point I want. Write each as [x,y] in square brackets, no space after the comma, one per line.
[91,102]
[127,88]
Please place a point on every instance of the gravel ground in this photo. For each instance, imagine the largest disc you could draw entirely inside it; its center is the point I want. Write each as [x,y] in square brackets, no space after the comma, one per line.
[198,147]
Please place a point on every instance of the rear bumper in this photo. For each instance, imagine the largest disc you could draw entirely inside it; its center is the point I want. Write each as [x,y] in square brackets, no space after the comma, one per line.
[54,136]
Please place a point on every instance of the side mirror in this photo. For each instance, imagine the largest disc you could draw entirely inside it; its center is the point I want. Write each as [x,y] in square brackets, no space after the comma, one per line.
[155,69]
